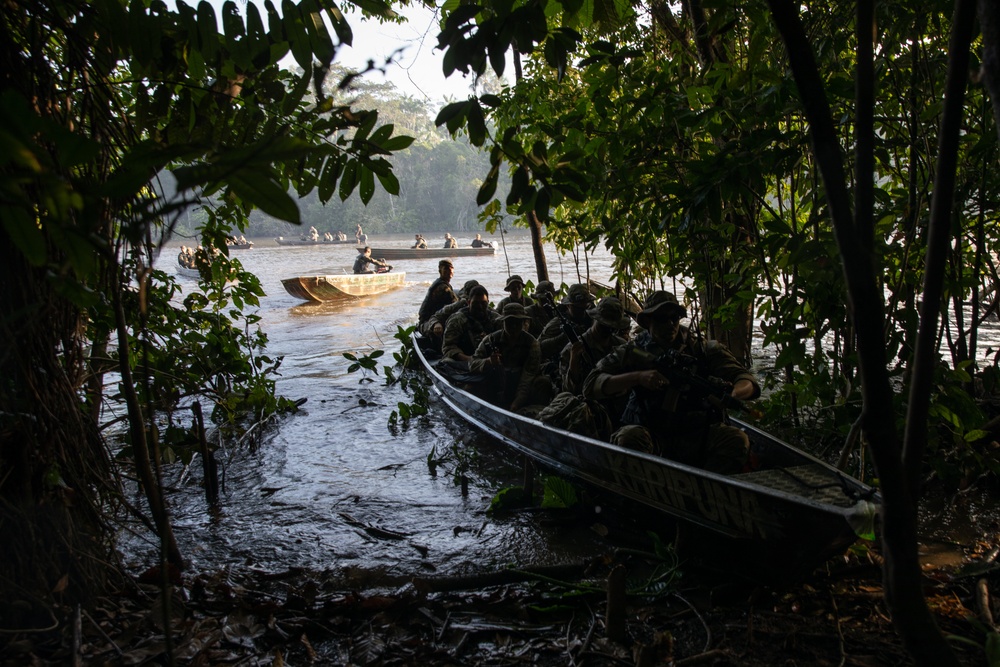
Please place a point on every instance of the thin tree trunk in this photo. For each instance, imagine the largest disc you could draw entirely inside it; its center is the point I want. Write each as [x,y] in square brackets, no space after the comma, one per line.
[137,431]
[903,577]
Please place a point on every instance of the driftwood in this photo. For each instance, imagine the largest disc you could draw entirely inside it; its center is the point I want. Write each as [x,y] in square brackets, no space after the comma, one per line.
[499,578]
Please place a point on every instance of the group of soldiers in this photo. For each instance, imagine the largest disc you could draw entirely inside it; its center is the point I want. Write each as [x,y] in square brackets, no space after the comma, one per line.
[657,387]
[449,241]
[193,258]
[314,236]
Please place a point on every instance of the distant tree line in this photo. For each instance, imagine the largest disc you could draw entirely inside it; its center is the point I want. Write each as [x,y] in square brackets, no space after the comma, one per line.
[439,175]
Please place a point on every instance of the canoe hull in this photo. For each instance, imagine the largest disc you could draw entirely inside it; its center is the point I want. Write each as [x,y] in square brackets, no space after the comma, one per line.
[340,287]
[281,240]
[799,507]
[430,253]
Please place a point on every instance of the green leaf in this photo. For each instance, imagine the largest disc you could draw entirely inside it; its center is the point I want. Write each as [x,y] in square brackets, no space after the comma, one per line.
[559,493]
[24,231]
[367,183]
[259,189]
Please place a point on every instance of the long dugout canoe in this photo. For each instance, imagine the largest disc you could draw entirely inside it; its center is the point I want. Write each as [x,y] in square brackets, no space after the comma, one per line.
[784,518]
[430,253]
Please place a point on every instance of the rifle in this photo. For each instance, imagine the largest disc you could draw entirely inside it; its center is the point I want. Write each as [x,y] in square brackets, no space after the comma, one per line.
[679,369]
[552,310]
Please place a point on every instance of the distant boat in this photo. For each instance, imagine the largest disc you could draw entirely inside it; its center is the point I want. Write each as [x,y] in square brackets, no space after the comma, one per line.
[281,240]
[240,246]
[187,271]
[338,287]
[431,253]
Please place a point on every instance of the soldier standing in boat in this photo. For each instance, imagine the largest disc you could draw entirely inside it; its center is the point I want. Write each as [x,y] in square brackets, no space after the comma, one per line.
[664,373]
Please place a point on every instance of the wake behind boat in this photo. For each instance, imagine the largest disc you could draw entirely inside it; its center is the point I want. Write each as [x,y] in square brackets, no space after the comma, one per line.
[431,253]
[323,288]
[786,517]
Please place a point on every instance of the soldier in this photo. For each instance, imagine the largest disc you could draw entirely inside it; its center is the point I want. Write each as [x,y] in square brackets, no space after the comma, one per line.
[553,337]
[439,294]
[545,292]
[469,325]
[668,412]
[449,242]
[515,288]
[579,358]
[478,242]
[364,262]
[512,356]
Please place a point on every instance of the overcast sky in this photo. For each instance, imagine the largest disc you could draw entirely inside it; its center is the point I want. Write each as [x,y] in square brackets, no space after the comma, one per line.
[417,69]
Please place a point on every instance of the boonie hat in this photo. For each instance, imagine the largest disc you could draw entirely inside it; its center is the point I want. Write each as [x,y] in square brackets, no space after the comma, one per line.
[444,262]
[545,287]
[578,293]
[656,302]
[514,311]
[467,287]
[609,311]
[514,279]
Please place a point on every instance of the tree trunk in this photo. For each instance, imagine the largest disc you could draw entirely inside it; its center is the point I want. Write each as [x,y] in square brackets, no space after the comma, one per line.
[535,225]
[903,577]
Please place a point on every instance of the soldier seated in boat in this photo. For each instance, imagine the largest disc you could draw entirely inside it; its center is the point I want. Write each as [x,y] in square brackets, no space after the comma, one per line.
[572,312]
[364,262]
[515,290]
[439,295]
[313,234]
[449,241]
[419,241]
[327,236]
[579,357]
[478,242]
[675,407]
[545,292]
[512,357]
[341,236]
[465,329]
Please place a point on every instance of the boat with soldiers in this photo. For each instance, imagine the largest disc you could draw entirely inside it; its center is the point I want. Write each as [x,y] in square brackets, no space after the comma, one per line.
[281,240]
[322,288]
[782,518]
[431,253]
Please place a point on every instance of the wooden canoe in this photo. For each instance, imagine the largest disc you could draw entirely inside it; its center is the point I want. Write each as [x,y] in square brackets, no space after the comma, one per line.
[783,519]
[337,287]
[281,240]
[430,253]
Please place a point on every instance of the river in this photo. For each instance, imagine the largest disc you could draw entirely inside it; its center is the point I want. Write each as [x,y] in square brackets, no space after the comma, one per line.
[330,487]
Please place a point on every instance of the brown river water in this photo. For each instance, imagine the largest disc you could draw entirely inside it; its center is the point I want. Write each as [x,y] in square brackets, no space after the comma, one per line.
[330,487]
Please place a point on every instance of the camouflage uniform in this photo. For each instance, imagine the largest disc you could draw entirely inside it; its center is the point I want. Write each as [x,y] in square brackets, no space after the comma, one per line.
[464,331]
[553,339]
[520,381]
[539,315]
[669,421]
[609,313]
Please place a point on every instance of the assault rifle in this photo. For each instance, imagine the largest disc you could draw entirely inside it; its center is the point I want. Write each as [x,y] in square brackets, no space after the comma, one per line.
[552,310]
[679,369]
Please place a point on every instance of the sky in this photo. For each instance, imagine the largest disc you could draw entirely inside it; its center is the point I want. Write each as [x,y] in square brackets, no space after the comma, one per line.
[416,70]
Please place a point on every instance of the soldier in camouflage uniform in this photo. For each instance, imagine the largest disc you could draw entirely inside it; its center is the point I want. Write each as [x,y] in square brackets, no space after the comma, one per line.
[512,356]
[439,294]
[545,292]
[671,418]
[469,325]
[553,339]
[578,359]
[515,289]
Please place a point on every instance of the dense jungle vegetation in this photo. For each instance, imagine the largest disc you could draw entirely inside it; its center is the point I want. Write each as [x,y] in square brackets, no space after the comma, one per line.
[830,168]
